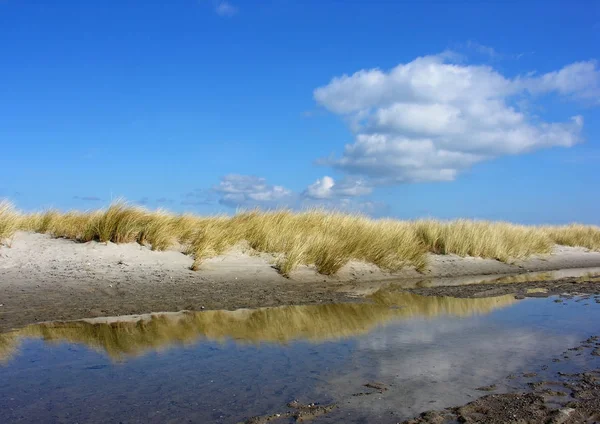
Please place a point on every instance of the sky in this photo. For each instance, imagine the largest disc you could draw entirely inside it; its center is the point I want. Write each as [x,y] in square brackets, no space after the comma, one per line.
[406,109]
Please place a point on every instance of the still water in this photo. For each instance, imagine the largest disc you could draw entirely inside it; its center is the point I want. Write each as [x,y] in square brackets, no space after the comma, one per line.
[227,366]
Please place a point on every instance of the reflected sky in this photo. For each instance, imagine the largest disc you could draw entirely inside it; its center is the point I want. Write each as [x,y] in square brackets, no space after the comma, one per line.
[220,366]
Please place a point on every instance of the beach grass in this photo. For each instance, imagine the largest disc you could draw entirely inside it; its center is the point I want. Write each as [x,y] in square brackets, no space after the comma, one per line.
[326,239]
[9,221]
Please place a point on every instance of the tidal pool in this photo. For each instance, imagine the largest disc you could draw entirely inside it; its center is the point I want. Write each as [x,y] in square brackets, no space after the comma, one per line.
[227,366]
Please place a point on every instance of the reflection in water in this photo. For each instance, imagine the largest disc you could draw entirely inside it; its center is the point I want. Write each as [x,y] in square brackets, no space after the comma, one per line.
[8,346]
[228,376]
[314,323]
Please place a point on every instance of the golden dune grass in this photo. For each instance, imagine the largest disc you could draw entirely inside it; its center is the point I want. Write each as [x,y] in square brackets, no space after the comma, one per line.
[9,221]
[328,240]
[313,323]
[575,235]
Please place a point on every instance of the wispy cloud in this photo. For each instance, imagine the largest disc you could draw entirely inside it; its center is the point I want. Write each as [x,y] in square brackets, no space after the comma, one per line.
[482,49]
[224,8]
[88,198]
[473,48]
[198,197]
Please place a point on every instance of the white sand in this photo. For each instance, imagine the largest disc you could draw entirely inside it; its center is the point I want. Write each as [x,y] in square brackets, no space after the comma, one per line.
[37,255]
[44,279]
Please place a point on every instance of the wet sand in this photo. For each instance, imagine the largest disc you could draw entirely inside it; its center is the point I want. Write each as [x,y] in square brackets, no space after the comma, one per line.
[566,399]
[46,279]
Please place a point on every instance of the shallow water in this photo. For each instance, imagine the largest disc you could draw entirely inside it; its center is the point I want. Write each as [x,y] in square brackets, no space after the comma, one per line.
[221,366]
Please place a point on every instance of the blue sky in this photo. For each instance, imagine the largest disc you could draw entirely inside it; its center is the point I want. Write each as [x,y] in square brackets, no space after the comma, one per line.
[407,109]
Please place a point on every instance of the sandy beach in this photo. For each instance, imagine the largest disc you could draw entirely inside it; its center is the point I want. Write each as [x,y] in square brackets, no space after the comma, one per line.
[44,278]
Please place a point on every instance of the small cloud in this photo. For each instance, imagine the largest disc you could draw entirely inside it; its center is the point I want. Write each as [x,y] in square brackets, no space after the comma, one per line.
[482,49]
[143,201]
[88,198]
[224,8]
[250,191]
[164,200]
[328,188]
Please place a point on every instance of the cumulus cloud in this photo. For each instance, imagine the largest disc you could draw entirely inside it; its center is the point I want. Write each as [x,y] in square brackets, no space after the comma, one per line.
[250,191]
[224,8]
[327,188]
[430,119]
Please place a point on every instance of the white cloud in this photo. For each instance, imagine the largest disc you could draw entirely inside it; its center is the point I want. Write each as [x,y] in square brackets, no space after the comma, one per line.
[321,189]
[224,8]
[482,49]
[250,191]
[327,188]
[429,119]
[580,80]
[247,191]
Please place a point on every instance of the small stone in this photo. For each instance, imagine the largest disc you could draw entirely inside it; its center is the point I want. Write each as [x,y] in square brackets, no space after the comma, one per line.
[562,415]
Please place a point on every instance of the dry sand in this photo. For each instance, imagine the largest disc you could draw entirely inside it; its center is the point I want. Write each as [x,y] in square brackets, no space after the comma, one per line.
[42,278]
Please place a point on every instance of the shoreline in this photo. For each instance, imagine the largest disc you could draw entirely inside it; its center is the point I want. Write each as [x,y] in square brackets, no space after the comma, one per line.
[47,279]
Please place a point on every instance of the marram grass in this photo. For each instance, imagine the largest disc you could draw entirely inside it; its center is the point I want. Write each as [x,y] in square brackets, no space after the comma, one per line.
[328,240]
[9,221]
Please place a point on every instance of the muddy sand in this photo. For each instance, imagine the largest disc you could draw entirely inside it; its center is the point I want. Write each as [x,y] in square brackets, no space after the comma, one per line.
[44,279]
[566,399]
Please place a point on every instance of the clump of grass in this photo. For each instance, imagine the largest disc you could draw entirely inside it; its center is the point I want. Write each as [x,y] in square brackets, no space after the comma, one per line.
[575,235]
[9,221]
[325,239]
[497,240]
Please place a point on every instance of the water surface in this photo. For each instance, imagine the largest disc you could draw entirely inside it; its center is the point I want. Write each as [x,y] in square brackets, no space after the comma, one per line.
[226,366]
